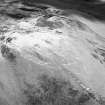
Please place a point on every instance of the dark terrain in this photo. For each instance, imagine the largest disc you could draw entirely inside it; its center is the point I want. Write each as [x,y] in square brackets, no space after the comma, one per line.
[88,8]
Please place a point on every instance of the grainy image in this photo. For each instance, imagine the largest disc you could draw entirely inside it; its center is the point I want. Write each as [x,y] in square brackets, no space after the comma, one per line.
[52,52]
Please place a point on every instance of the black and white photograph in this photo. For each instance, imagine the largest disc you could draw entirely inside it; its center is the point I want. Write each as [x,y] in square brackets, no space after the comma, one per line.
[52,52]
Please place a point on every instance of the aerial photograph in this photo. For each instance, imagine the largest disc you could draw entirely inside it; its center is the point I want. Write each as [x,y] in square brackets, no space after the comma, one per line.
[52,52]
